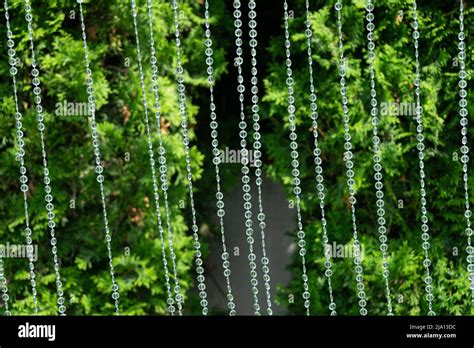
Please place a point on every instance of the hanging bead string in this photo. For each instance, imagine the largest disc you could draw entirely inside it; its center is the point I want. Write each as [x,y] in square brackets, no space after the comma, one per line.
[318,164]
[182,108]
[21,154]
[47,188]
[252,14]
[99,169]
[295,162]
[348,156]
[420,146]
[164,170]
[216,160]
[464,147]
[377,158]
[170,301]
[4,288]
[164,176]
[245,158]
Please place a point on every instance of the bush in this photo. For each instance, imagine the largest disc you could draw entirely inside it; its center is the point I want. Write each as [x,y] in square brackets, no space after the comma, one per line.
[395,72]
[129,191]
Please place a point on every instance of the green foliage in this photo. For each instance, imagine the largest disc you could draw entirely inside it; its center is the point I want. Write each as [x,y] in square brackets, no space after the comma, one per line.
[394,83]
[124,150]
[136,245]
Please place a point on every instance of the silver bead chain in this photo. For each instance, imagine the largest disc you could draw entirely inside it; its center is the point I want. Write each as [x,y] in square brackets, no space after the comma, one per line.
[216,160]
[99,169]
[463,112]
[318,164]
[184,122]
[348,156]
[164,168]
[420,146]
[21,154]
[295,162]
[201,279]
[47,181]
[245,158]
[170,301]
[4,288]
[164,171]
[377,158]
[252,14]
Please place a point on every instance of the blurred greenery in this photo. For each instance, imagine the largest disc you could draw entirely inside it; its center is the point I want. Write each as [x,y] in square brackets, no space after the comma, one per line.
[136,246]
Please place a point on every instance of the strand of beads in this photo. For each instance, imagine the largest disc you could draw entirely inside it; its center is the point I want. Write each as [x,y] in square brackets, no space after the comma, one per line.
[170,301]
[252,14]
[216,159]
[4,288]
[245,159]
[164,172]
[21,154]
[318,164]
[295,163]
[47,181]
[420,146]
[348,155]
[99,169]
[184,122]
[463,112]
[377,158]
[164,169]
